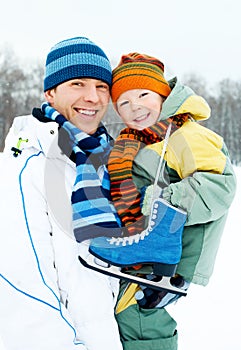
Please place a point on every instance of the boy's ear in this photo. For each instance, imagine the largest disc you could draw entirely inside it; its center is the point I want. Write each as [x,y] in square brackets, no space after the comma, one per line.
[49,95]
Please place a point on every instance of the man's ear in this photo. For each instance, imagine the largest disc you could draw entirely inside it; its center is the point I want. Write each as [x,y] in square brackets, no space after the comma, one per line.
[49,95]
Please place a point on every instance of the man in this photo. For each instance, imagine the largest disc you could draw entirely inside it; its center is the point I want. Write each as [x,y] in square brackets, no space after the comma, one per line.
[53,165]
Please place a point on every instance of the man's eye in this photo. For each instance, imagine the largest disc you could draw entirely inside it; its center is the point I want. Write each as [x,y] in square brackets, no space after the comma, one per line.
[103,87]
[77,83]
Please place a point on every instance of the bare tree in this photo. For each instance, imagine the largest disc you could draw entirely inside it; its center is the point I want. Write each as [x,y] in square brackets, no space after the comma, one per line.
[11,80]
[225,103]
[20,89]
[227,110]
[197,83]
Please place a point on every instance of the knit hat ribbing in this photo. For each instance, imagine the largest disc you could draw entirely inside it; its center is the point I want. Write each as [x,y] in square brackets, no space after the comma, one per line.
[76,58]
[139,71]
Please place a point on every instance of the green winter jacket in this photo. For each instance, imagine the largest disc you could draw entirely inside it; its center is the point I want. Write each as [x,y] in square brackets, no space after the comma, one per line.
[198,177]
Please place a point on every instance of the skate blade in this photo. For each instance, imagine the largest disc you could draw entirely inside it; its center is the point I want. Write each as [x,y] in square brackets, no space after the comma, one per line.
[114,271]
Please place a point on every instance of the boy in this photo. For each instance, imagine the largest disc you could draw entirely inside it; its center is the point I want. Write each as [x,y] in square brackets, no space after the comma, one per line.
[197,176]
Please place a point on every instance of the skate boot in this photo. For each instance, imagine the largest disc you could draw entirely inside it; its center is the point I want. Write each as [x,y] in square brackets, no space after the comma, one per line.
[159,245]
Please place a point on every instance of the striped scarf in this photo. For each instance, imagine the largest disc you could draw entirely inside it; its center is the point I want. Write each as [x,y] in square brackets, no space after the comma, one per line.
[125,196]
[93,215]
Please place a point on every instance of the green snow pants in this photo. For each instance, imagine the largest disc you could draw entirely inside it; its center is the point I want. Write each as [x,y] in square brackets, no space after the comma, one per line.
[147,329]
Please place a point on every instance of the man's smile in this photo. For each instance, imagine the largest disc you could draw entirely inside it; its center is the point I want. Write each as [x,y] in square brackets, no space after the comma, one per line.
[86,112]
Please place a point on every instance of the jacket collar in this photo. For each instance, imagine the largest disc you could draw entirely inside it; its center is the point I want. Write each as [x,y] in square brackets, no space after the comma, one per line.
[34,134]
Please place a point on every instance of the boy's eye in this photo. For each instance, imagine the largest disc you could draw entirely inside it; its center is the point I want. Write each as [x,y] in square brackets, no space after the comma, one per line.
[123,103]
[143,94]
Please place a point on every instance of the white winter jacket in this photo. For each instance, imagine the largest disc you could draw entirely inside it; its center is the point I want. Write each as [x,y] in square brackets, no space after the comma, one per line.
[48,300]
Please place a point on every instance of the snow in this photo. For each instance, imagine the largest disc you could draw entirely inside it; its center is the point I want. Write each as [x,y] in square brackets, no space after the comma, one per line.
[208,318]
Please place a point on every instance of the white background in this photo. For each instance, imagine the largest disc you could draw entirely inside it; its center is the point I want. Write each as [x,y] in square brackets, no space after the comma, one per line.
[209,317]
[199,36]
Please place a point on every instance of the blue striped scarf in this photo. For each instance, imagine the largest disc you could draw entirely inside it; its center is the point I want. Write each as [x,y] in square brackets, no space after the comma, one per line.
[93,214]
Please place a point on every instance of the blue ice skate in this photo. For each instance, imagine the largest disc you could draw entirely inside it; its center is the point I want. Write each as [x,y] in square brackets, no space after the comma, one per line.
[160,245]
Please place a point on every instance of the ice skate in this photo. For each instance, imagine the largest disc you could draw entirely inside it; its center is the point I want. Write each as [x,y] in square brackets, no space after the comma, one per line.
[160,245]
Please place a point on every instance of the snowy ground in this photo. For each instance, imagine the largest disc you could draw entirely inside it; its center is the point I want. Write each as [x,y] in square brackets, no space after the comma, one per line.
[209,318]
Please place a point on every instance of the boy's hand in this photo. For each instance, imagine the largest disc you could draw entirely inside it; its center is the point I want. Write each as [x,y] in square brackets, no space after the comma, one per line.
[149,193]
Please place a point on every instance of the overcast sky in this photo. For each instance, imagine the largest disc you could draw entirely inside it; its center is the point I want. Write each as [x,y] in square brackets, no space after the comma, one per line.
[203,37]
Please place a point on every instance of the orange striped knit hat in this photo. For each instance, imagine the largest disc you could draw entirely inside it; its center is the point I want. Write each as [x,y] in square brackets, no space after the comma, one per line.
[139,71]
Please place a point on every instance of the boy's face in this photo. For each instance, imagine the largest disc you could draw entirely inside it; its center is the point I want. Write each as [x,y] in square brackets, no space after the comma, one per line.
[82,101]
[139,108]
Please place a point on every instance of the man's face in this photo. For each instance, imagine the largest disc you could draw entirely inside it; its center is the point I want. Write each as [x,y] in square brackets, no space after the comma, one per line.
[82,101]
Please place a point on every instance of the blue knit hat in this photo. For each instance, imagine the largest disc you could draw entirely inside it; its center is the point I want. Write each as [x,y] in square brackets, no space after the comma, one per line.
[76,58]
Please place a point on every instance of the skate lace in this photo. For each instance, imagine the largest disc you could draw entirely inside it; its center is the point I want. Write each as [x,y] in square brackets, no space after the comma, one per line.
[129,240]
[138,237]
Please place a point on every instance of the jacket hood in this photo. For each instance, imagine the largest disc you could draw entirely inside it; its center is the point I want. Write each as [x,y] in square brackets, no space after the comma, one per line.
[183,99]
